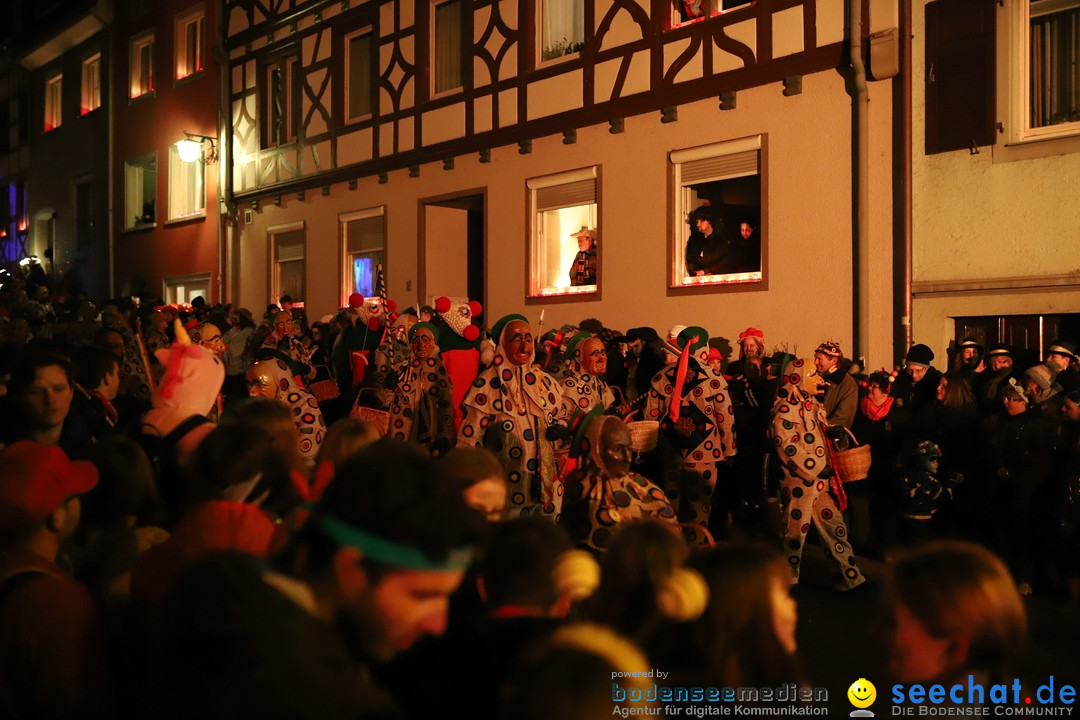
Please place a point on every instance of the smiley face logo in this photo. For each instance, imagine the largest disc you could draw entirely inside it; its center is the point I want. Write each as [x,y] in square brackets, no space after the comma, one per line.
[862,693]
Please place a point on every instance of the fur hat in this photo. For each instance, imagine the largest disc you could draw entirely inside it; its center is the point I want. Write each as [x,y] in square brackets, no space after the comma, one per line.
[919,356]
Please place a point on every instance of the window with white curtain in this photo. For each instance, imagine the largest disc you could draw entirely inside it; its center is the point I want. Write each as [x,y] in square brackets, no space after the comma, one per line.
[54,101]
[363,244]
[358,74]
[448,48]
[189,42]
[562,28]
[289,275]
[141,61]
[563,207]
[187,186]
[140,190]
[91,84]
[279,101]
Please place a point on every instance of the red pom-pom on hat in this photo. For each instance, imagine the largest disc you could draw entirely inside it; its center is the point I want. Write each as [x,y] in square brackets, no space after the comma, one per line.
[475,308]
[391,306]
[356,300]
[442,304]
[373,324]
[471,333]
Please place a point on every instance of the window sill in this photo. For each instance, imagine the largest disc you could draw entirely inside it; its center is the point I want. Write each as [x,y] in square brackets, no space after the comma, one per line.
[141,98]
[573,294]
[141,227]
[189,78]
[84,113]
[1035,148]
[192,217]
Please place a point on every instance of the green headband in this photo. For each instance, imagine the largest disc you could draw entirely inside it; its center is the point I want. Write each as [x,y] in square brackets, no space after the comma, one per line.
[428,326]
[576,340]
[497,328]
[389,552]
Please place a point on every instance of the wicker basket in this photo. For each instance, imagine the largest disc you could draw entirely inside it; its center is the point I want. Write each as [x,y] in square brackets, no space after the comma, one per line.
[379,418]
[854,463]
[643,435]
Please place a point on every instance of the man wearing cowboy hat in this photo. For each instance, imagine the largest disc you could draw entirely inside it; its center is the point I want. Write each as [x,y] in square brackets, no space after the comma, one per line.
[583,271]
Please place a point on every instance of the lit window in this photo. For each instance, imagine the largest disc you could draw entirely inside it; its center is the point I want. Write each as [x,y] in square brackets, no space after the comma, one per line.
[289,269]
[189,43]
[1045,87]
[562,28]
[91,84]
[358,79]
[187,186]
[142,65]
[717,214]
[686,11]
[563,256]
[280,124]
[140,191]
[363,242]
[54,93]
[448,48]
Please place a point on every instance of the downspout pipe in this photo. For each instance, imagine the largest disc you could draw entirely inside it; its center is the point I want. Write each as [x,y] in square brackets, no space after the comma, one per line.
[225,209]
[905,177]
[861,244]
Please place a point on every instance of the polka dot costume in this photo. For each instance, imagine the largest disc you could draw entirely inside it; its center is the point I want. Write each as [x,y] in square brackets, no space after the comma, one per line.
[508,409]
[703,435]
[798,431]
[304,409]
[422,408]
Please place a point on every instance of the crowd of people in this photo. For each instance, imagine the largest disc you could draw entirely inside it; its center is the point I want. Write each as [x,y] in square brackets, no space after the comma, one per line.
[205,514]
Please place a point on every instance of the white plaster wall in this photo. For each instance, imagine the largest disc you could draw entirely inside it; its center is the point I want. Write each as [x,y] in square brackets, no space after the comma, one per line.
[989,217]
[809,262]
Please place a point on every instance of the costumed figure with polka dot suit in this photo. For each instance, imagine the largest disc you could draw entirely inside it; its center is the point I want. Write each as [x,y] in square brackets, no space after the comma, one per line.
[509,409]
[583,385]
[691,402]
[272,378]
[798,430]
[603,493]
[422,409]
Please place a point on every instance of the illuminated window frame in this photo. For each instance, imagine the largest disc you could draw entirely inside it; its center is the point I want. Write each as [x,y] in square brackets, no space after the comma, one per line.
[729,170]
[54,101]
[140,192]
[362,237]
[1019,71]
[187,187]
[570,29]
[189,41]
[279,101]
[141,61]
[91,84]
[560,205]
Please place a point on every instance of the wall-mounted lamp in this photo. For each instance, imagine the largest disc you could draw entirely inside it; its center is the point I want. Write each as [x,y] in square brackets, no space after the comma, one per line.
[193,147]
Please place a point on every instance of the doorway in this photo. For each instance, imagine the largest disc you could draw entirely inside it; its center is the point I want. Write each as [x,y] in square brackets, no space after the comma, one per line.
[452,239]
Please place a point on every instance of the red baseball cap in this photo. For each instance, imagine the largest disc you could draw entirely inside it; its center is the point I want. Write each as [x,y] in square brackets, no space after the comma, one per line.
[36,479]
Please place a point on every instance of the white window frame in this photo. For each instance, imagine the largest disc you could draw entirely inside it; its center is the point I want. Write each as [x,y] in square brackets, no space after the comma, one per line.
[276,291]
[131,202]
[540,237]
[435,90]
[350,90]
[193,20]
[54,101]
[690,167]
[541,31]
[181,175]
[185,288]
[91,84]
[347,281]
[140,83]
[1018,75]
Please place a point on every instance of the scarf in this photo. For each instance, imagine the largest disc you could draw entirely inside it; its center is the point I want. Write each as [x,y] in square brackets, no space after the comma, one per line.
[875,412]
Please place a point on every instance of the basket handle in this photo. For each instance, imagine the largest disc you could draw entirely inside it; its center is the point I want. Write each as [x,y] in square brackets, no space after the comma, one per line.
[851,435]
